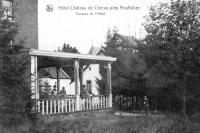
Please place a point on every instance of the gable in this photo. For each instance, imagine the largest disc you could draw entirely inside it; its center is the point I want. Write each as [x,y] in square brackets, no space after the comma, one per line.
[52,73]
[94,50]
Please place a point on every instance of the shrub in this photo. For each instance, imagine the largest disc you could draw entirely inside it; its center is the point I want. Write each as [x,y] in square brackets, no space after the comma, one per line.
[16,102]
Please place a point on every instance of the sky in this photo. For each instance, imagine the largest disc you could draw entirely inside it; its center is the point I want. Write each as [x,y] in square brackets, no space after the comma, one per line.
[84,23]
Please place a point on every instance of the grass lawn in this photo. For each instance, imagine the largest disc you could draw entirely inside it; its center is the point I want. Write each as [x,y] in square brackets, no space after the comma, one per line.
[108,122]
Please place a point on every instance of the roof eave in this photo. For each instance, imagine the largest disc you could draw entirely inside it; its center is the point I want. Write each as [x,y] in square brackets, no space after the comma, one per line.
[35,52]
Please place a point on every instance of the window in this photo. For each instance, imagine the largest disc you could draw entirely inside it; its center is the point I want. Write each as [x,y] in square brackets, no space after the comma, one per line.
[89,85]
[6,3]
[7,12]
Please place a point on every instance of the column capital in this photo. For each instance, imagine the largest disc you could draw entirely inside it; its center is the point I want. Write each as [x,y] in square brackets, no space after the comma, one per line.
[76,63]
[109,65]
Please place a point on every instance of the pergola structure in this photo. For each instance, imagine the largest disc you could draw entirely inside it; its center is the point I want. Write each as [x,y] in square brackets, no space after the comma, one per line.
[71,104]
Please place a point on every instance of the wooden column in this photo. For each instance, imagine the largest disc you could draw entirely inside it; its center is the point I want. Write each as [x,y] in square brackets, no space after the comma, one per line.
[58,80]
[34,82]
[77,85]
[109,84]
[34,78]
[81,79]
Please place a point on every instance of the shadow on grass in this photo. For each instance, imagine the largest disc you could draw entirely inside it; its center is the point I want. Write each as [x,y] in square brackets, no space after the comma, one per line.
[108,122]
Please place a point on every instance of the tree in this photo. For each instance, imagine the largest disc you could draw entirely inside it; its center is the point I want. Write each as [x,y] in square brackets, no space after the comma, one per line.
[128,70]
[172,47]
[16,104]
[67,48]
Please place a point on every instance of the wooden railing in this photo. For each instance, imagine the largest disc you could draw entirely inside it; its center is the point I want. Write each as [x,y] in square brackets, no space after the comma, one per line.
[56,106]
[94,102]
[67,104]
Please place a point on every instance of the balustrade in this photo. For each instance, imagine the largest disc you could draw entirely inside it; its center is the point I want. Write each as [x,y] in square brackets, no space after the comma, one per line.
[67,104]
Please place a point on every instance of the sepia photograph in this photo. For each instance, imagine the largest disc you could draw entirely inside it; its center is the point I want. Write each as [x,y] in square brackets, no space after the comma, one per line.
[99,66]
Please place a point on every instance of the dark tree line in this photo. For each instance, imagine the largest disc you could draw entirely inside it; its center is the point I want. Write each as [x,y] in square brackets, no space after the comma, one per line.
[129,69]
[171,50]
[166,64]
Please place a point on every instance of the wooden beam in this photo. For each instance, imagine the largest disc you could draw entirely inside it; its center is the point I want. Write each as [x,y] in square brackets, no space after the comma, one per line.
[70,55]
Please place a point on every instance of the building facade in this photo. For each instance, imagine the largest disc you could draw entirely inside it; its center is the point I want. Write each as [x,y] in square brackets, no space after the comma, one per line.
[25,14]
[91,73]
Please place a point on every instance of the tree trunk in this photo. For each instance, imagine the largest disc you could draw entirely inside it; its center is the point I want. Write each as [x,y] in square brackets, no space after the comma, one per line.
[184,98]
[156,103]
[169,105]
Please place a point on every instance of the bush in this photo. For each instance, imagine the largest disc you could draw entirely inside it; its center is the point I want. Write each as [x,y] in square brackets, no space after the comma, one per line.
[16,102]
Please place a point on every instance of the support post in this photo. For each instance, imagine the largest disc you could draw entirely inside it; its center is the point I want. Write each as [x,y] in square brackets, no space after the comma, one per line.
[58,80]
[34,78]
[34,82]
[77,86]
[81,79]
[109,85]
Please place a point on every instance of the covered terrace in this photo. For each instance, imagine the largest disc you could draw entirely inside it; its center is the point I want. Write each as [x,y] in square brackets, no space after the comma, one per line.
[67,104]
